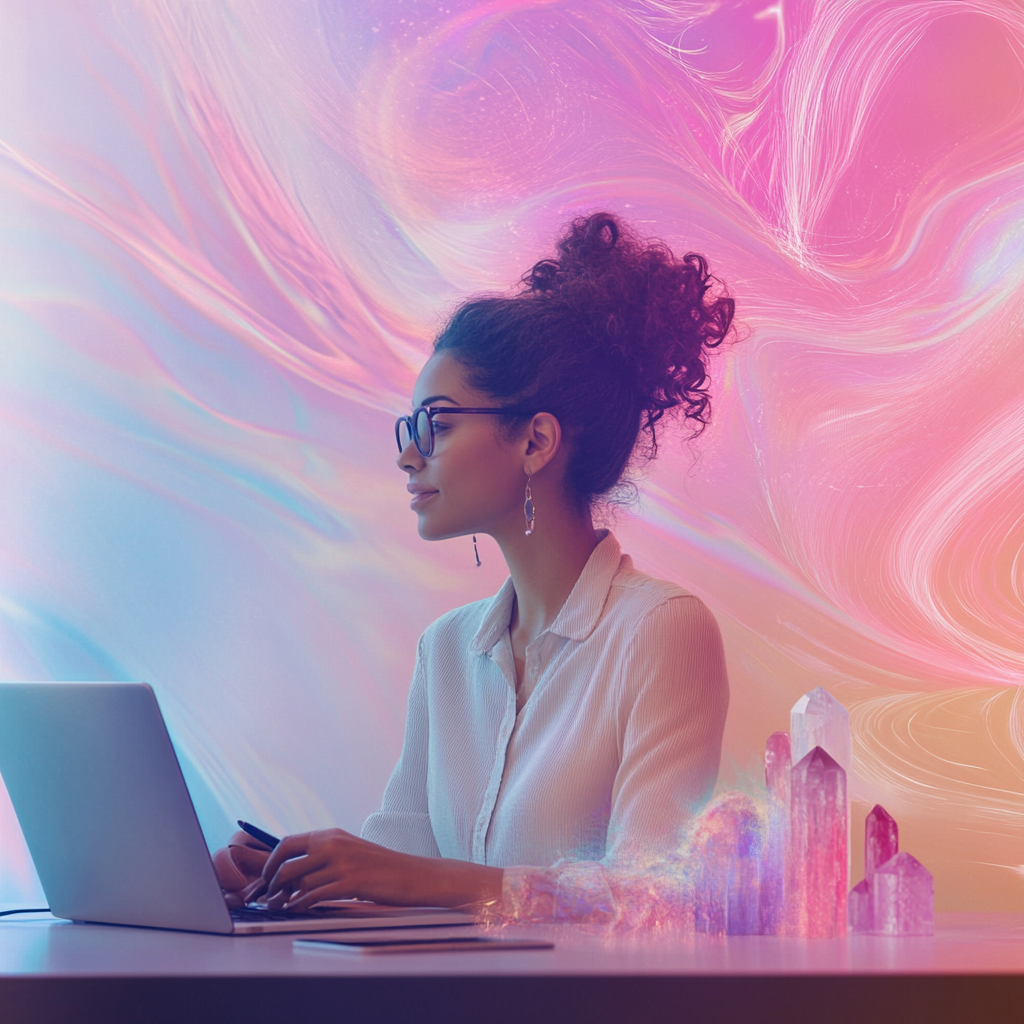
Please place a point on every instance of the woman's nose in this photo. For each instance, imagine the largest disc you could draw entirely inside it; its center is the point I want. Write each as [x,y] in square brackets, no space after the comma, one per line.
[409,459]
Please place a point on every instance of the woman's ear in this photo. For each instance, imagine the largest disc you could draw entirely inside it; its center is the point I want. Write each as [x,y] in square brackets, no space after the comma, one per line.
[543,436]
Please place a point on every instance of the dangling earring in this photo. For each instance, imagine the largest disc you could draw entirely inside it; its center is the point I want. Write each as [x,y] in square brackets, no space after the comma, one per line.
[475,552]
[528,508]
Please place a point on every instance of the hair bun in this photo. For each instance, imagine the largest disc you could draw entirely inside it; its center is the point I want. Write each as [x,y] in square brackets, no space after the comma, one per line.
[645,312]
[588,245]
[612,322]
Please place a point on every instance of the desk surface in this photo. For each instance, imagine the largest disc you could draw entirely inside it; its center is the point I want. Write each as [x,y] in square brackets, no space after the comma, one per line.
[49,968]
[963,944]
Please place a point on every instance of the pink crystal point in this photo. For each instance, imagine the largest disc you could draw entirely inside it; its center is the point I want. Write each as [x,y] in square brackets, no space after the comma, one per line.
[777,764]
[778,760]
[859,907]
[817,870]
[819,720]
[727,867]
[881,840]
[903,897]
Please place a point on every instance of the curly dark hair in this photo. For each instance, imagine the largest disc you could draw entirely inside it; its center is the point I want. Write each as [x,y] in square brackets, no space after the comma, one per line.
[608,337]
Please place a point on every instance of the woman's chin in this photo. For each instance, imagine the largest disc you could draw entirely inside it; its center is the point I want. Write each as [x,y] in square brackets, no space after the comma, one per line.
[434,530]
[431,530]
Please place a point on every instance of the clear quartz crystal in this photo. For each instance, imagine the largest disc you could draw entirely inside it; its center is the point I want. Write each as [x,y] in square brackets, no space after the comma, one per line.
[903,898]
[817,869]
[881,840]
[777,765]
[819,720]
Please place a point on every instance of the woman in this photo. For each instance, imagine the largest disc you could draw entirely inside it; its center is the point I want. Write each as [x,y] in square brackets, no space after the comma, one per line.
[575,718]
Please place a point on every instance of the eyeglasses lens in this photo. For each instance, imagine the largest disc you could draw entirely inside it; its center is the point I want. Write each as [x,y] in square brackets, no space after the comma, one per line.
[423,431]
[402,433]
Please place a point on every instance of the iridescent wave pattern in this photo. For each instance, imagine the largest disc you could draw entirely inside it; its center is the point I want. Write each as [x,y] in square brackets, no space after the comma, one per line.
[230,231]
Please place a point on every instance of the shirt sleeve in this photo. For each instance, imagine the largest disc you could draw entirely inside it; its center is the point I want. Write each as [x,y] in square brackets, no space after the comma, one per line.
[674,695]
[403,822]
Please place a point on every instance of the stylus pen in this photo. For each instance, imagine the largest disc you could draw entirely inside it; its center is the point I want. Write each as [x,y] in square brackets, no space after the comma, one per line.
[257,833]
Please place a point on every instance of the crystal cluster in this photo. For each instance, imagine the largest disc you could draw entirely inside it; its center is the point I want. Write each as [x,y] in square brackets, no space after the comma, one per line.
[897,895]
[807,821]
[806,856]
[783,872]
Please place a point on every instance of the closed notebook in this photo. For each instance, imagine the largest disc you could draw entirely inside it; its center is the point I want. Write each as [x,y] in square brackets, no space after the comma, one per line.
[415,944]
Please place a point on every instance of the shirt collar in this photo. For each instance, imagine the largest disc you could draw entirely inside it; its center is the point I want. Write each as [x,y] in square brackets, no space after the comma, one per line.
[581,611]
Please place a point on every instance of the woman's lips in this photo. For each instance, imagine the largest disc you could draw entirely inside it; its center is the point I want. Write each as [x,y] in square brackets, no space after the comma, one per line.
[420,498]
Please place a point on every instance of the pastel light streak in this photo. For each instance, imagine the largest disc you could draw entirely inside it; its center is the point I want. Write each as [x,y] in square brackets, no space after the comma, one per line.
[229,231]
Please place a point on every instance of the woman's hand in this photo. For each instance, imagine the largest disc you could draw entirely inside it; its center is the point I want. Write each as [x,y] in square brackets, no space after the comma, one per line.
[239,865]
[333,864]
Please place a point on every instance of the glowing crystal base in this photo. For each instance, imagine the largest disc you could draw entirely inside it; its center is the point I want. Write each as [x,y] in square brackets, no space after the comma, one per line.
[727,886]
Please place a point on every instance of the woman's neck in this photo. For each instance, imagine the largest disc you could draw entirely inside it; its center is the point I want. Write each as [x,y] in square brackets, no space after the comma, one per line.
[546,565]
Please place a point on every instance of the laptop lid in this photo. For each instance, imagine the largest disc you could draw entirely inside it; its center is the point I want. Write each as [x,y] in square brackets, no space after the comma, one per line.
[107,817]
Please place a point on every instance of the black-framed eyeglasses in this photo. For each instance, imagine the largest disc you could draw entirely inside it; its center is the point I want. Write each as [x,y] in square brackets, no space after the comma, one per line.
[419,427]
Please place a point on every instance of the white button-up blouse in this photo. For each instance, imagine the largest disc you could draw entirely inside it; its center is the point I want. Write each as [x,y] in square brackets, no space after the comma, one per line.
[613,749]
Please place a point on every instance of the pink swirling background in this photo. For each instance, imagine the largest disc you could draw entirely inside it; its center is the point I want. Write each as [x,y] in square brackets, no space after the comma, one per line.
[230,229]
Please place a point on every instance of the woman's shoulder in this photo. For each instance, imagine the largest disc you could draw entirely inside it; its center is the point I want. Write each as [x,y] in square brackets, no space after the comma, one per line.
[671,633]
[636,597]
[458,626]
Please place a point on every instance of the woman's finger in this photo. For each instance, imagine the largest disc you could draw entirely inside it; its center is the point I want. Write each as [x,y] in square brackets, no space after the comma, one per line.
[230,876]
[305,899]
[250,862]
[253,891]
[292,871]
[278,899]
[290,846]
[238,863]
[329,874]
[241,838]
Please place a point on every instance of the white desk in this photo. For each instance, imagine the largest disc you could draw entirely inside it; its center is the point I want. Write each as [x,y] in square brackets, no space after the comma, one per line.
[972,970]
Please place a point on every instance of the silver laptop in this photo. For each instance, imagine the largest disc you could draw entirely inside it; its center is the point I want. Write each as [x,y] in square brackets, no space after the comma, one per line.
[103,805]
